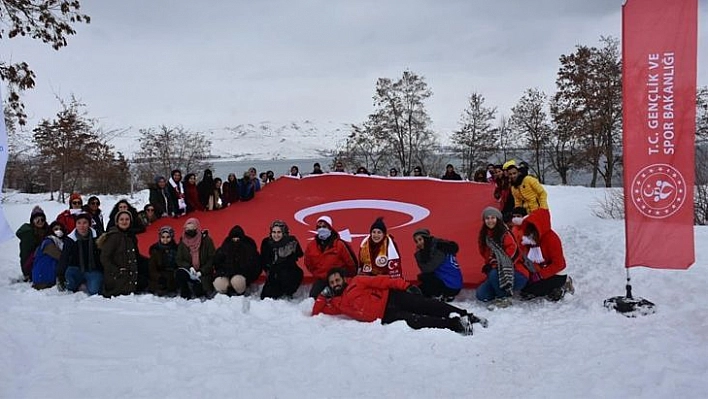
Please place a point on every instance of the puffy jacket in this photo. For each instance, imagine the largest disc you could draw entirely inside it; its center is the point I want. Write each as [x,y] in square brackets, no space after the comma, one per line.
[364,298]
[511,248]
[549,242]
[530,194]
[119,257]
[320,260]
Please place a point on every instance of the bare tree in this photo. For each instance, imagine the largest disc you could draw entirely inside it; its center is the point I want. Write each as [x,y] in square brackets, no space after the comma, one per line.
[50,21]
[564,139]
[589,86]
[168,148]
[504,137]
[476,139]
[71,148]
[530,120]
[399,126]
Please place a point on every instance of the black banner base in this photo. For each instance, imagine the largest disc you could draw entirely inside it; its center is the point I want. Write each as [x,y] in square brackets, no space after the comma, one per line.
[630,307]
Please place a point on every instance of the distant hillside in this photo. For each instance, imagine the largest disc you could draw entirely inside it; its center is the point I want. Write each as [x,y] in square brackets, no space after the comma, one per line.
[262,141]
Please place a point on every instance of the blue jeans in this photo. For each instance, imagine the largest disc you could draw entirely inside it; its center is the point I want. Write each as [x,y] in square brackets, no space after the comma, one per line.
[75,277]
[490,289]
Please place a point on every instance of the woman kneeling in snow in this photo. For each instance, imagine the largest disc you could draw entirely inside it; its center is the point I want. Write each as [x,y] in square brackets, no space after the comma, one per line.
[543,248]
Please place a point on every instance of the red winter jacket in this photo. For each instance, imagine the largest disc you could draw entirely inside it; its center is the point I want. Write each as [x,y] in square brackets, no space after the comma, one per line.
[364,299]
[548,241]
[67,220]
[319,262]
[511,248]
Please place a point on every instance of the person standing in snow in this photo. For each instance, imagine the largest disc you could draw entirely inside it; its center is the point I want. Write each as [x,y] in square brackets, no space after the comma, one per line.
[161,198]
[527,190]
[450,173]
[504,265]
[31,235]
[544,250]
[366,298]
[440,275]
[66,217]
[279,254]
[177,197]
[378,254]
[325,251]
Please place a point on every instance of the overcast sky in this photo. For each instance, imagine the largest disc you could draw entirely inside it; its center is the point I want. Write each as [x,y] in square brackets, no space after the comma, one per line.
[212,64]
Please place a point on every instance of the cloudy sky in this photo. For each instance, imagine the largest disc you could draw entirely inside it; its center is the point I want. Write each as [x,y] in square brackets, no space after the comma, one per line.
[218,63]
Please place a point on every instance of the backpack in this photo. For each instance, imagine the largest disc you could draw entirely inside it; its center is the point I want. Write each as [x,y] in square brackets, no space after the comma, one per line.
[44,267]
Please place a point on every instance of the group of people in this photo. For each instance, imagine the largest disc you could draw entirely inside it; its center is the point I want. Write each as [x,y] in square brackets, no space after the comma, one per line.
[522,255]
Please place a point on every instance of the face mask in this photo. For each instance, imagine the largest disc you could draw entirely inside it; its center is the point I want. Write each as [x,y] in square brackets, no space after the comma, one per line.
[59,233]
[323,233]
[190,233]
[526,240]
[517,220]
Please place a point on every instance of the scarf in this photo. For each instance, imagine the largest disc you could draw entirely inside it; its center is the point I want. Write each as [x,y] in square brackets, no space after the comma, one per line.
[179,188]
[380,253]
[86,260]
[168,261]
[284,248]
[58,242]
[194,243]
[505,266]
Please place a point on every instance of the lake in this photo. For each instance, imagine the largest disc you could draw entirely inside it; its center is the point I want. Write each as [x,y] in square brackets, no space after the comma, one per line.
[278,166]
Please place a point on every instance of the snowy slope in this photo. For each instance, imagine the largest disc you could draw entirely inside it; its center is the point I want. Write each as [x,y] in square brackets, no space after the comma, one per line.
[69,345]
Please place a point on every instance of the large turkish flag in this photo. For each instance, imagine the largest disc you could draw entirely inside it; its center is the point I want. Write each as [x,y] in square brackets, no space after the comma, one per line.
[450,209]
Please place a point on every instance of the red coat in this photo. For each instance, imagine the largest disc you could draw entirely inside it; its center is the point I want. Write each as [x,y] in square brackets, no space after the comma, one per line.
[319,262]
[191,197]
[511,248]
[548,241]
[67,220]
[364,299]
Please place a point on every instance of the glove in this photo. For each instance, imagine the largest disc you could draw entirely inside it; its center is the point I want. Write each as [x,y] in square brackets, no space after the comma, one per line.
[61,283]
[535,277]
[413,289]
[194,275]
[327,292]
[486,268]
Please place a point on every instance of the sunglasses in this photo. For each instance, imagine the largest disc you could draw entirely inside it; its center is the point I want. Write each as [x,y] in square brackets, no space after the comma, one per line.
[75,202]
[150,210]
[94,203]
[165,236]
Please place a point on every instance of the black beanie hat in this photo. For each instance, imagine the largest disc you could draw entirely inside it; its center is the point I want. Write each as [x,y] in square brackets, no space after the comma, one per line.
[378,224]
[422,232]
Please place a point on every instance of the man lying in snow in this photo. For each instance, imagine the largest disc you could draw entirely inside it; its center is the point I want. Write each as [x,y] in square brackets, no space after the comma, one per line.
[367,298]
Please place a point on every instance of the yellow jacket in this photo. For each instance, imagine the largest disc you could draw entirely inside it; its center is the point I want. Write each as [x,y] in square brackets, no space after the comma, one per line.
[530,194]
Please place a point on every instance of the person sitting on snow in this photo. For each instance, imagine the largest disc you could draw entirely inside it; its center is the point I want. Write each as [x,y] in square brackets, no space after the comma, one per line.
[379,254]
[326,251]
[80,262]
[440,275]
[504,265]
[544,250]
[366,299]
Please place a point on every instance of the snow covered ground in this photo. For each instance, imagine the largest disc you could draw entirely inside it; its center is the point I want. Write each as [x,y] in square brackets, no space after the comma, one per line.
[59,345]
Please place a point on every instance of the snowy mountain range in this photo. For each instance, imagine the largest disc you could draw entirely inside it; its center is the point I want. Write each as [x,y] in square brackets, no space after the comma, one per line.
[261,141]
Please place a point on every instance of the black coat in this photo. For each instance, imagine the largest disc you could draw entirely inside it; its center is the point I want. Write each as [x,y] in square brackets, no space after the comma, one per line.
[238,257]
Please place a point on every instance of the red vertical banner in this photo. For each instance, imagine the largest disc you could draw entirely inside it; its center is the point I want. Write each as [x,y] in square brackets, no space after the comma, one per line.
[659,57]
